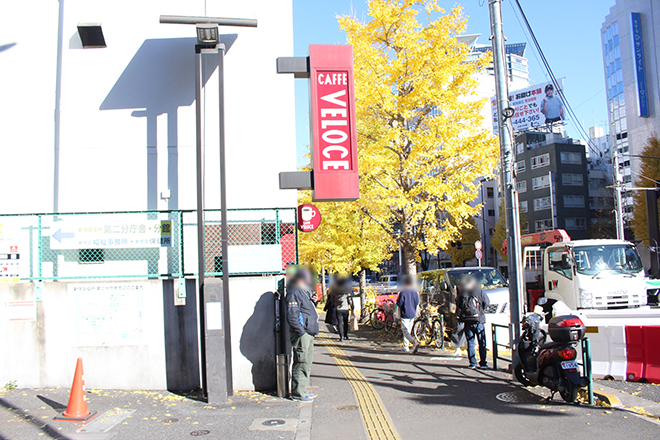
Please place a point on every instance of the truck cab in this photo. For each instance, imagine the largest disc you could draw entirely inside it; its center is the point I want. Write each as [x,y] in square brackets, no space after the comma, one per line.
[594,274]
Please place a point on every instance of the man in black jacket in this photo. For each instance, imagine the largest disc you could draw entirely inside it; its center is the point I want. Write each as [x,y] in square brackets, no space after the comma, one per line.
[471,303]
[304,325]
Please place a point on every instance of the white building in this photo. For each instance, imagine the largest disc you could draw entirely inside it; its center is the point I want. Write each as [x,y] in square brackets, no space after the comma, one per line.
[632,81]
[113,129]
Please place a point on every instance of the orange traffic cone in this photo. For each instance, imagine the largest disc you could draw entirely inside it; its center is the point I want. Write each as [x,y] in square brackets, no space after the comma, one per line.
[76,410]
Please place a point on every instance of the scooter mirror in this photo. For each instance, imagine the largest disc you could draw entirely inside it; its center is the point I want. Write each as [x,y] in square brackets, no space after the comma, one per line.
[542,301]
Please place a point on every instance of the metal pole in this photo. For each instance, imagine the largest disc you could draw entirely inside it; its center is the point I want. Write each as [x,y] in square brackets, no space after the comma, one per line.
[223,219]
[617,192]
[200,212]
[58,113]
[516,281]
[495,350]
[483,223]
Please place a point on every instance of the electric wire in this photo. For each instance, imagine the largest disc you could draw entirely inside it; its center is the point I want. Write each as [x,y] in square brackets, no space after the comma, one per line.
[555,82]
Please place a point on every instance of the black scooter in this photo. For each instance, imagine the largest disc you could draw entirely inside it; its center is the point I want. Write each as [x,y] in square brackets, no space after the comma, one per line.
[551,364]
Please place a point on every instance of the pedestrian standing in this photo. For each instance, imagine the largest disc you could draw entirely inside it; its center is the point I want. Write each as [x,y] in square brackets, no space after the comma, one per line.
[330,314]
[341,296]
[304,326]
[471,303]
[407,303]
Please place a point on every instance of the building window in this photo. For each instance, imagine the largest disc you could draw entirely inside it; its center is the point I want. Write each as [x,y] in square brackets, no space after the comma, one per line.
[541,182]
[576,223]
[524,228]
[542,203]
[540,161]
[520,166]
[521,186]
[571,157]
[490,192]
[543,225]
[572,179]
[490,231]
[523,206]
[491,213]
[571,201]
[520,148]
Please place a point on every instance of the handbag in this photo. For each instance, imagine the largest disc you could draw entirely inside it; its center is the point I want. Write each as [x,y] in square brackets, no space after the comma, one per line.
[354,323]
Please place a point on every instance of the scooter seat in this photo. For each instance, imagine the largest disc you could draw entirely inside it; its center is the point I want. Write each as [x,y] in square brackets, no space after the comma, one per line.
[549,345]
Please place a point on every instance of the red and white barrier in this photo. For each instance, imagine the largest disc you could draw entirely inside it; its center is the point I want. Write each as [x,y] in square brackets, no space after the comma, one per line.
[623,351]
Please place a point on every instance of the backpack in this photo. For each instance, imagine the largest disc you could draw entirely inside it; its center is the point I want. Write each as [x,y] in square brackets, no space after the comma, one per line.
[470,307]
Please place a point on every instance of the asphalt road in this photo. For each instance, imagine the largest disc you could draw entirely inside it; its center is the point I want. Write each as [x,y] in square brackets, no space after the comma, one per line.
[434,395]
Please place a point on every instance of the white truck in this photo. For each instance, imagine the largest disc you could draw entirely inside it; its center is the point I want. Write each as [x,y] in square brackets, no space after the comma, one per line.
[583,274]
[602,282]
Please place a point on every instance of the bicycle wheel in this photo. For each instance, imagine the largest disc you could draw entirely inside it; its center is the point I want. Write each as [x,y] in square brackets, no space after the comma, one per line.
[438,334]
[391,325]
[377,319]
[423,333]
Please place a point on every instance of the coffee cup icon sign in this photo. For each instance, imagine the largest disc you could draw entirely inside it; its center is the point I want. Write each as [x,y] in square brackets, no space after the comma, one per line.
[308,213]
[309,218]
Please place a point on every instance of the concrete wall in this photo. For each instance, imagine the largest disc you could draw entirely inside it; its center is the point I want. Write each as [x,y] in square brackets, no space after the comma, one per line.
[138,339]
[121,342]
[253,339]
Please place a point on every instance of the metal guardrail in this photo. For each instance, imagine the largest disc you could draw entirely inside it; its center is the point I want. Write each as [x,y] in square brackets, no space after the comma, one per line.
[586,367]
[496,345]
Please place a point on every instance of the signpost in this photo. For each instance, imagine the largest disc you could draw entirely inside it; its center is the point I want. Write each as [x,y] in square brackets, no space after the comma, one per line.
[478,254]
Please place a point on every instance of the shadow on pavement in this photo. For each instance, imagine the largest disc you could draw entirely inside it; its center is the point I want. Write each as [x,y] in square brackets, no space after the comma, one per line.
[44,427]
[57,406]
[439,383]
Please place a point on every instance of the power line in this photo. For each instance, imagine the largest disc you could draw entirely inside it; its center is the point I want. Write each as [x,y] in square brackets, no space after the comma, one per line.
[554,80]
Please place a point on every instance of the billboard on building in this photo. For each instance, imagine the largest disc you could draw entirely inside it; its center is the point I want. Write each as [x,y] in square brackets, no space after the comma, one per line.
[534,106]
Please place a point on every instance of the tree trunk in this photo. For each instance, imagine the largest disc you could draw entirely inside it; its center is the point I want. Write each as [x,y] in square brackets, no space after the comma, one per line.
[410,259]
[363,296]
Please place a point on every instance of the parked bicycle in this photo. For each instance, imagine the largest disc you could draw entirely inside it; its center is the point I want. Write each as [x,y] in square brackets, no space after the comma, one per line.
[429,327]
[383,316]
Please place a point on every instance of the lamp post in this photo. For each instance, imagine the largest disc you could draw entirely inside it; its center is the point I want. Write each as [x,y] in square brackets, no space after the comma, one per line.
[215,328]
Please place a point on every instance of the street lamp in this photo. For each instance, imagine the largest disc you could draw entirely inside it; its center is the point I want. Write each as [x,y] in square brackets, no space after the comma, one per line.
[221,384]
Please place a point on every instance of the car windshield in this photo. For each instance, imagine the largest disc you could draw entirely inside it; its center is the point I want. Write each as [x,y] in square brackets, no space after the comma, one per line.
[592,260]
[489,278]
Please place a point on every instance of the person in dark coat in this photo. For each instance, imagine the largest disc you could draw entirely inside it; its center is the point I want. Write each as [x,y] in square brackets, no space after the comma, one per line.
[341,296]
[470,304]
[330,314]
[304,326]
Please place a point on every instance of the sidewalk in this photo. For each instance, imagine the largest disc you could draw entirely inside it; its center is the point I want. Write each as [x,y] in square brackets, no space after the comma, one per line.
[367,389]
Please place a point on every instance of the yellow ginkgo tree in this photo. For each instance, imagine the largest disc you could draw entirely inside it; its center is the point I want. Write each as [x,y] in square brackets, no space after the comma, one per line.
[421,141]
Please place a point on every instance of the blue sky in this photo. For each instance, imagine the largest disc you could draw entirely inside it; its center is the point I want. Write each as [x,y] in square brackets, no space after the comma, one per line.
[567,30]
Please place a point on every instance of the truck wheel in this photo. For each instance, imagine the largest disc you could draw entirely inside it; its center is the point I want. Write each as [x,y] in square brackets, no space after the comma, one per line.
[519,371]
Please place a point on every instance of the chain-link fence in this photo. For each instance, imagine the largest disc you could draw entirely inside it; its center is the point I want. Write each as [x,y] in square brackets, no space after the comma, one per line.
[147,244]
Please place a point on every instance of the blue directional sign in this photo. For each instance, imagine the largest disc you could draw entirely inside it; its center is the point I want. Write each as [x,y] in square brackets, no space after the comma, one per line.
[59,235]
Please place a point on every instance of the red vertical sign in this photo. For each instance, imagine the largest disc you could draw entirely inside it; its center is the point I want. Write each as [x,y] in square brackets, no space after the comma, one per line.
[334,136]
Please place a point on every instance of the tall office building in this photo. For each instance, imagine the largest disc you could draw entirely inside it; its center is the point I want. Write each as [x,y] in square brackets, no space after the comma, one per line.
[552,183]
[631,54]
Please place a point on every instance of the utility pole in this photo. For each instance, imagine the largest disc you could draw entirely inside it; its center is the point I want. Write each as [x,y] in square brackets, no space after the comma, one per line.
[504,113]
[617,193]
